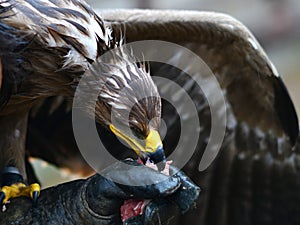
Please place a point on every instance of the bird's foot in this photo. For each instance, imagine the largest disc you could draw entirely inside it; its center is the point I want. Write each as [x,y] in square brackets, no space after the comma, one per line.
[18,190]
[14,186]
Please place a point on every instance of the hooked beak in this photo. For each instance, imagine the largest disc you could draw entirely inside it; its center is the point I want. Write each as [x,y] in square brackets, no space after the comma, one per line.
[152,147]
[158,157]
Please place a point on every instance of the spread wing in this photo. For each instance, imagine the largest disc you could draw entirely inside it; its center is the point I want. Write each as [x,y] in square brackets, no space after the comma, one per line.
[250,81]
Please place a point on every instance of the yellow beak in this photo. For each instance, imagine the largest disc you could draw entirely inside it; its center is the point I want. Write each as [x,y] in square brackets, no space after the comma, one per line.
[152,143]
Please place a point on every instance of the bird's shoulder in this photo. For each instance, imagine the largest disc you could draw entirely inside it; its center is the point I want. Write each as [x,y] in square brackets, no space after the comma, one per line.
[58,24]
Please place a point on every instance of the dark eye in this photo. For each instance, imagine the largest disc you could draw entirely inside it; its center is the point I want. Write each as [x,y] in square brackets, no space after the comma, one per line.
[137,132]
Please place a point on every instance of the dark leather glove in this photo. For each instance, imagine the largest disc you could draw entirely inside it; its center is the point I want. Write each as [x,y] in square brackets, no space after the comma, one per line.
[162,209]
[97,200]
[174,193]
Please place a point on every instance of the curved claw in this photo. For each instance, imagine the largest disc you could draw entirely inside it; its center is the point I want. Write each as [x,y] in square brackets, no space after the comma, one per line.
[35,196]
[35,193]
[18,190]
[2,196]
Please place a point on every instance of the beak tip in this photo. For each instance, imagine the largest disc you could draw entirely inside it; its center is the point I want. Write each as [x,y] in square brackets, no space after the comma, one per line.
[159,158]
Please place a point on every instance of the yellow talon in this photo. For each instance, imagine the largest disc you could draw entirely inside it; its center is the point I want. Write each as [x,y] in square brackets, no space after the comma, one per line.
[20,189]
[35,188]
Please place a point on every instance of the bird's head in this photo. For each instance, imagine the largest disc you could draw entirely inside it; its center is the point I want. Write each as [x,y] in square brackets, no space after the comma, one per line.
[128,103]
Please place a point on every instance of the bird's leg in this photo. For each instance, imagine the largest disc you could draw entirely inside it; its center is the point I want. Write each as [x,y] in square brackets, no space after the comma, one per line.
[12,160]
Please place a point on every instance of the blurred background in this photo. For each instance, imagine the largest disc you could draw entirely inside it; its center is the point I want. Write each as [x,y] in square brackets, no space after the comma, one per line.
[275,23]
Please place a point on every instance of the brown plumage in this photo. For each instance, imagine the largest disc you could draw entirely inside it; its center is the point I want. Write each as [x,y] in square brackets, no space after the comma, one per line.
[56,43]
[124,93]
[230,51]
[241,66]
[254,178]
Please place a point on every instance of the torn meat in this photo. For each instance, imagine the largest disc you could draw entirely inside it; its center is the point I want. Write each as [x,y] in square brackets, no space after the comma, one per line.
[135,207]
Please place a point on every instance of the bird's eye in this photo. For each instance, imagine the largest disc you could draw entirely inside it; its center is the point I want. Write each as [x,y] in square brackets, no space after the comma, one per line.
[137,132]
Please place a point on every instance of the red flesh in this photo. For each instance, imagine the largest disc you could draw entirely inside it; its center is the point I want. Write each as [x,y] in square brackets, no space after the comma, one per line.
[135,207]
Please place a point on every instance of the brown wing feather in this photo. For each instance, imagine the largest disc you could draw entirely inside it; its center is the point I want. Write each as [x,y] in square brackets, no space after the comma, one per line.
[64,37]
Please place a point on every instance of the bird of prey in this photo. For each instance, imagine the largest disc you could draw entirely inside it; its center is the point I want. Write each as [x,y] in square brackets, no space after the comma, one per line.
[54,43]
[255,173]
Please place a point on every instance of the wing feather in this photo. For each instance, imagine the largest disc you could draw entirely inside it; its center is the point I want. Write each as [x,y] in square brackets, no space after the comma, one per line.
[70,19]
[63,38]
